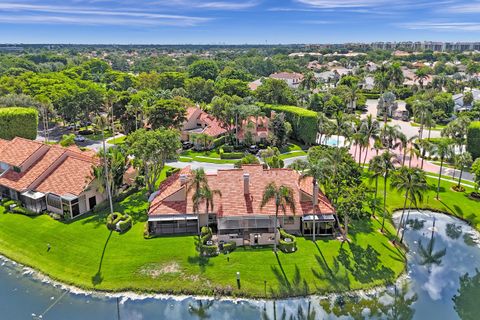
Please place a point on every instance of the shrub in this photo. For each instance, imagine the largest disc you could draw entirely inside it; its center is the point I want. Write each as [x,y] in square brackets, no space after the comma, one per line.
[113,219]
[232,155]
[227,148]
[125,224]
[172,171]
[24,211]
[303,121]
[219,141]
[473,139]
[18,122]
[287,246]
[371,95]
[229,247]
[209,251]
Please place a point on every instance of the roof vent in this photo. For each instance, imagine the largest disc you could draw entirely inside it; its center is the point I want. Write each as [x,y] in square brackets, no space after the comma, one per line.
[183,179]
[246,183]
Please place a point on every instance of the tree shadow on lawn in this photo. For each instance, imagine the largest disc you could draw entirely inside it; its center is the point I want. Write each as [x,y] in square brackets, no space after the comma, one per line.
[364,265]
[202,261]
[360,226]
[297,286]
[332,276]
[98,278]
[397,254]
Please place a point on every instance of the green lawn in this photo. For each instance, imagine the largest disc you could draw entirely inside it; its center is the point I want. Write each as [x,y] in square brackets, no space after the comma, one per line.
[85,254]
[98,136]
[438,127]
[118,141]
[293,154]
[457,204]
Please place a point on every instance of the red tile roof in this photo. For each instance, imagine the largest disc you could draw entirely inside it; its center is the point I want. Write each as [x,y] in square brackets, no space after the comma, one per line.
[213,127]
[57,170]
[233,201]
[18,150]
[287,75]
[21,181]
[72,176]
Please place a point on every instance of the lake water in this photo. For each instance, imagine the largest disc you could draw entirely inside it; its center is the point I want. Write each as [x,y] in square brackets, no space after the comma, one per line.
[431,289]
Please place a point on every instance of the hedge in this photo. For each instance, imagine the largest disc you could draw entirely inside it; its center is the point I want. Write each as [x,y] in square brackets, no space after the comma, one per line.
[219,141]
[207,250]
[18,122]
[124,222]
[303,121]
[285,246]
[232,155]
[229,246]
[473,139]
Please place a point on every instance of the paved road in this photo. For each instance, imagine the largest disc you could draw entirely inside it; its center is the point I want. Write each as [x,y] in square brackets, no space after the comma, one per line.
[405,126]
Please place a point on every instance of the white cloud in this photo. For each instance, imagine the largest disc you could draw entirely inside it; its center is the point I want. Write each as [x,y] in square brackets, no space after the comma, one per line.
[442,26]
[24,13]
[228,5]
[331,4]
[464,8]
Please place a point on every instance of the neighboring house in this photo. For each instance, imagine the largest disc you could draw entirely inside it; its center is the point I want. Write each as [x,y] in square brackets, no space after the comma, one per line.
[410,78]
[401,111]
[293,79]
[198,121]
[237,214]
[368,83]
[48,177]
[371,66]
[254,129]
[255,84]
[458,99]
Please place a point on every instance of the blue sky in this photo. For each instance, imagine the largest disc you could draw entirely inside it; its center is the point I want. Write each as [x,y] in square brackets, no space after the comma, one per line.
[237,21]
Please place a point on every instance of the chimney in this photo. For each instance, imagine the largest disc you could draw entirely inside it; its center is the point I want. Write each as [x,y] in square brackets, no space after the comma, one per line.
[183,179]
[246,183]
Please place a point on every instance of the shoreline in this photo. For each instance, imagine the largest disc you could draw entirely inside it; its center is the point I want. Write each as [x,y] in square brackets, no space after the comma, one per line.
[37,275]
[40,277]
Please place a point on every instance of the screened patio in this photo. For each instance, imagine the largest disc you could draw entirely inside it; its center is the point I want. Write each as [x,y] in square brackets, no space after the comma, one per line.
[242,223]
[173,224]
[324,224]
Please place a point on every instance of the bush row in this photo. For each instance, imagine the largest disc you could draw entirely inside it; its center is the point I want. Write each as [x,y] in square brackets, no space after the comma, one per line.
[124,222]
[303,121]
[6,203]
[18,122]
[232,155]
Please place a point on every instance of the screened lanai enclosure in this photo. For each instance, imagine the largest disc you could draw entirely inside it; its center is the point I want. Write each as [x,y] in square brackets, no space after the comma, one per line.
[324,224]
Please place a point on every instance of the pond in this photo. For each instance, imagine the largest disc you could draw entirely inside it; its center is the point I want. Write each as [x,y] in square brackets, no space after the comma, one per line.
[442,282]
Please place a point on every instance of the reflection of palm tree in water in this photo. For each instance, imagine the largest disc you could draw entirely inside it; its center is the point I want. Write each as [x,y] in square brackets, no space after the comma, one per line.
[428,256]
[402,305]
[201,309]
[301,314]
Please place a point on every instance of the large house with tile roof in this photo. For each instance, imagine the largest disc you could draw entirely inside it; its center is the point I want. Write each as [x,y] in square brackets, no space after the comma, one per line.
[237,214]
[48,177]
[198,121]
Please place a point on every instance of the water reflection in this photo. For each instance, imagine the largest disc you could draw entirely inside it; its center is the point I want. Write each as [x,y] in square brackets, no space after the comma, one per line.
[442,282]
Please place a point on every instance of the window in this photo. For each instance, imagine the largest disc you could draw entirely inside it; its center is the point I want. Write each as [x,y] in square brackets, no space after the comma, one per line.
[54,201]
[289,220]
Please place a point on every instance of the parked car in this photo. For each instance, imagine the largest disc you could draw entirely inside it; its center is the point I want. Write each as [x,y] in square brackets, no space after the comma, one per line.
[187,145]
[79,139]
[253,149]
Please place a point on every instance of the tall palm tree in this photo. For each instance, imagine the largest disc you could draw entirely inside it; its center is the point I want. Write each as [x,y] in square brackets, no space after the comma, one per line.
[463,160]
[371,129]
[412,152]
[386,102]
[443,150]
[421,75]
[283,197]
[100,123]
[421,112]
[390,135]
[412,182]
[324,126]
[198,184]
[376,168]
[388,160]
[319,171]
[395,74]
[110,99]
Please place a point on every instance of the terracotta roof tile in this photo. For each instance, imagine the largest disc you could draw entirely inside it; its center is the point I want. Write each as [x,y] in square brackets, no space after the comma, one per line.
[233,201]
[18,150]
[72,176]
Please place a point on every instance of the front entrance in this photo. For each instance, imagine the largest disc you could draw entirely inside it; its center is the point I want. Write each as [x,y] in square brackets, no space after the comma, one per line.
[92,202]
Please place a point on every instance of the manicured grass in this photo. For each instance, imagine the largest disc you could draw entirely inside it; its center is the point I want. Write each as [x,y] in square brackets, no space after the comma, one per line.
[118,141]
[454,203]
[293,154]
[98,136]
[206,159]
[438,127]
[84,253]
[192,153]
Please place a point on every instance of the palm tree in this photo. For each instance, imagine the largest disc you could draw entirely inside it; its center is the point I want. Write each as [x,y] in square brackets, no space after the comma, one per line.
[422,111]
[413,183]
[387,165]
[430,257]
[100,123]
[371,130]
[382,80]
[283,198]
[395,74]
[385,104]
[110,99]
[412,152]
[421,75]
[376,167]
[201,192]
[324,126]
[462,161]
[443,150]
[319,171]
[390,135]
